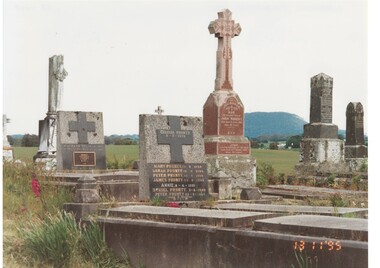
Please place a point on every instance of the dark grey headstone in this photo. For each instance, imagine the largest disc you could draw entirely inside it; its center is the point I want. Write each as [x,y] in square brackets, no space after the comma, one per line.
[80,143]
[172,162]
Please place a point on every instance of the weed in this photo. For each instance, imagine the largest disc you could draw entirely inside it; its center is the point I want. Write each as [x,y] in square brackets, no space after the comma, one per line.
[265,175]
[338,201]
[304,261]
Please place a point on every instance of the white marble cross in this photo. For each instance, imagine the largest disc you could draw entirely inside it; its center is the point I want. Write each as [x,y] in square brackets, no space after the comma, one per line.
[224,29]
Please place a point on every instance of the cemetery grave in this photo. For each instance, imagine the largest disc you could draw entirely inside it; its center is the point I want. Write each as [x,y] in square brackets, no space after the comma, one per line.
[198,171]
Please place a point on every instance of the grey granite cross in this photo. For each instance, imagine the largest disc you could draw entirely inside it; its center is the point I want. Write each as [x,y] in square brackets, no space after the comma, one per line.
[82,127]
[175,138]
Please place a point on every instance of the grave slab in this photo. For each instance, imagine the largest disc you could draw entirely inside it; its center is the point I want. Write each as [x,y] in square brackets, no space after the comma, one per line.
[292,209]
[188,215]
[320,226]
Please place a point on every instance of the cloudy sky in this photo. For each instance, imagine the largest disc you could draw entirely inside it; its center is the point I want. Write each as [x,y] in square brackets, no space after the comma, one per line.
[124,58]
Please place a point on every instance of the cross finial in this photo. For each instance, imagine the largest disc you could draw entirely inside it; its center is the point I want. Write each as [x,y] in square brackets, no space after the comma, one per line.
[224,29]
[159,111]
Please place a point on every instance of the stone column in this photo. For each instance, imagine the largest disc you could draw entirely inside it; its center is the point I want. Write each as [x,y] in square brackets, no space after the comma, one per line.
[355,149]
[321,150]
[48,127]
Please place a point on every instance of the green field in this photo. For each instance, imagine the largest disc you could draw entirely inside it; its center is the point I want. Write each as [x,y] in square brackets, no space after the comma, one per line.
[283,161]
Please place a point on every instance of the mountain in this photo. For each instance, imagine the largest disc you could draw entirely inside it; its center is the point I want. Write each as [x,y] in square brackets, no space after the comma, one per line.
[270,123]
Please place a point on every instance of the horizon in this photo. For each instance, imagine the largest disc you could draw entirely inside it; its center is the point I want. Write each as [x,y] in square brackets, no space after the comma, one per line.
[122,64]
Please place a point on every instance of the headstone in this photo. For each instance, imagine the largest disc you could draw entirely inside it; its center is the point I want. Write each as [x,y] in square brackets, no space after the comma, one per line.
[172,164]
[355,149]
[47,130]
[7,148]
[321,150]
[226,147]
[80,143]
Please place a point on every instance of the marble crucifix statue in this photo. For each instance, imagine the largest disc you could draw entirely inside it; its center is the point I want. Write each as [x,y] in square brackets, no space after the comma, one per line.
[224,29]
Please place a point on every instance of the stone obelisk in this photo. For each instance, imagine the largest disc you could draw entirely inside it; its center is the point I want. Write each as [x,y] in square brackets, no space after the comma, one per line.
[48,127]
[226,148]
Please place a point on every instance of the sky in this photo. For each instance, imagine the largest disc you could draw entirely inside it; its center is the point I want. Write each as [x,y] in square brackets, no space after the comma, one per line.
[125,58]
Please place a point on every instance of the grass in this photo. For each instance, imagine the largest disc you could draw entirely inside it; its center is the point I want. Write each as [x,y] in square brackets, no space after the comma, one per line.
[283,161]
[36,233]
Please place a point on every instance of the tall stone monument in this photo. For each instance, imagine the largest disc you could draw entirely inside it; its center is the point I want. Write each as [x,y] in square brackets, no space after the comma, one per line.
[226,147]
[172,162]
[355,149]
[7,148]
[47,130]
[321,150]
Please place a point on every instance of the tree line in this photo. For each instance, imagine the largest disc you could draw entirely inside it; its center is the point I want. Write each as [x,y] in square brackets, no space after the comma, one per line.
[32,140]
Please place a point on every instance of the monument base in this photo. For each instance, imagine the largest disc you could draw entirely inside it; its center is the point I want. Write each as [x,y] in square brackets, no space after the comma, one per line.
[322,150]
[240,168]
[355,151]
[45,161]
[320,130]
[7,153]
[356,164]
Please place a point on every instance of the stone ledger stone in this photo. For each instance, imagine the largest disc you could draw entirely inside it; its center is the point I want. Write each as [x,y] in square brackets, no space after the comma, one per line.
[80,141]
[172,162]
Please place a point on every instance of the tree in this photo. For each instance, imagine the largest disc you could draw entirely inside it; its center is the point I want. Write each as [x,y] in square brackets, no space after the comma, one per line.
[294,141]
[273,146]
[30,140]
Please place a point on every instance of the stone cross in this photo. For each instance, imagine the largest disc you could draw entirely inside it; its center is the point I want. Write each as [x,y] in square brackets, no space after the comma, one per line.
[6,120]
[224,29]
[159,111]
[82,126]
[175,138]
[56,76]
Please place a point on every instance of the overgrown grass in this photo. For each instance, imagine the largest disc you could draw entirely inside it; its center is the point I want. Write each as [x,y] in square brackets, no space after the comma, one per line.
[37,233]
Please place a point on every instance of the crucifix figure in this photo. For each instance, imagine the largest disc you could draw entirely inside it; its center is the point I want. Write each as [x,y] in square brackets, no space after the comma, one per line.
[159,111]
[224,29]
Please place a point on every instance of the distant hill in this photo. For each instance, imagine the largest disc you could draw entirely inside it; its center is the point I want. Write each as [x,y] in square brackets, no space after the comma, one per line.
[270,123]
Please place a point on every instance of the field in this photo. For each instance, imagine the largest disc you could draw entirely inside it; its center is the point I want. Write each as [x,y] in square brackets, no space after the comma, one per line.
[283,161]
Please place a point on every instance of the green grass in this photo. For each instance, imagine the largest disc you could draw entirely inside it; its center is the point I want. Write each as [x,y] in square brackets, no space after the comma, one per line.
[283,161]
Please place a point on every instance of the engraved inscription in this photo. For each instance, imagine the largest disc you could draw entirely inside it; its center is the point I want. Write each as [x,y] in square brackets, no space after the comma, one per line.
[175,137]
[233,148]
[84,158]
[231,118]
[180,182]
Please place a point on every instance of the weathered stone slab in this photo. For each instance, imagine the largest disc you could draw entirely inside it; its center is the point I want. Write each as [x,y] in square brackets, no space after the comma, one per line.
[300,191]
[320,226]
[293,209]
[160,244]
[188,215]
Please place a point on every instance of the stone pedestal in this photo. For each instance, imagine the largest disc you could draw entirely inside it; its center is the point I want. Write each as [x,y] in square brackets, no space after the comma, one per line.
[86,198]
[220,185]
[226,147]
